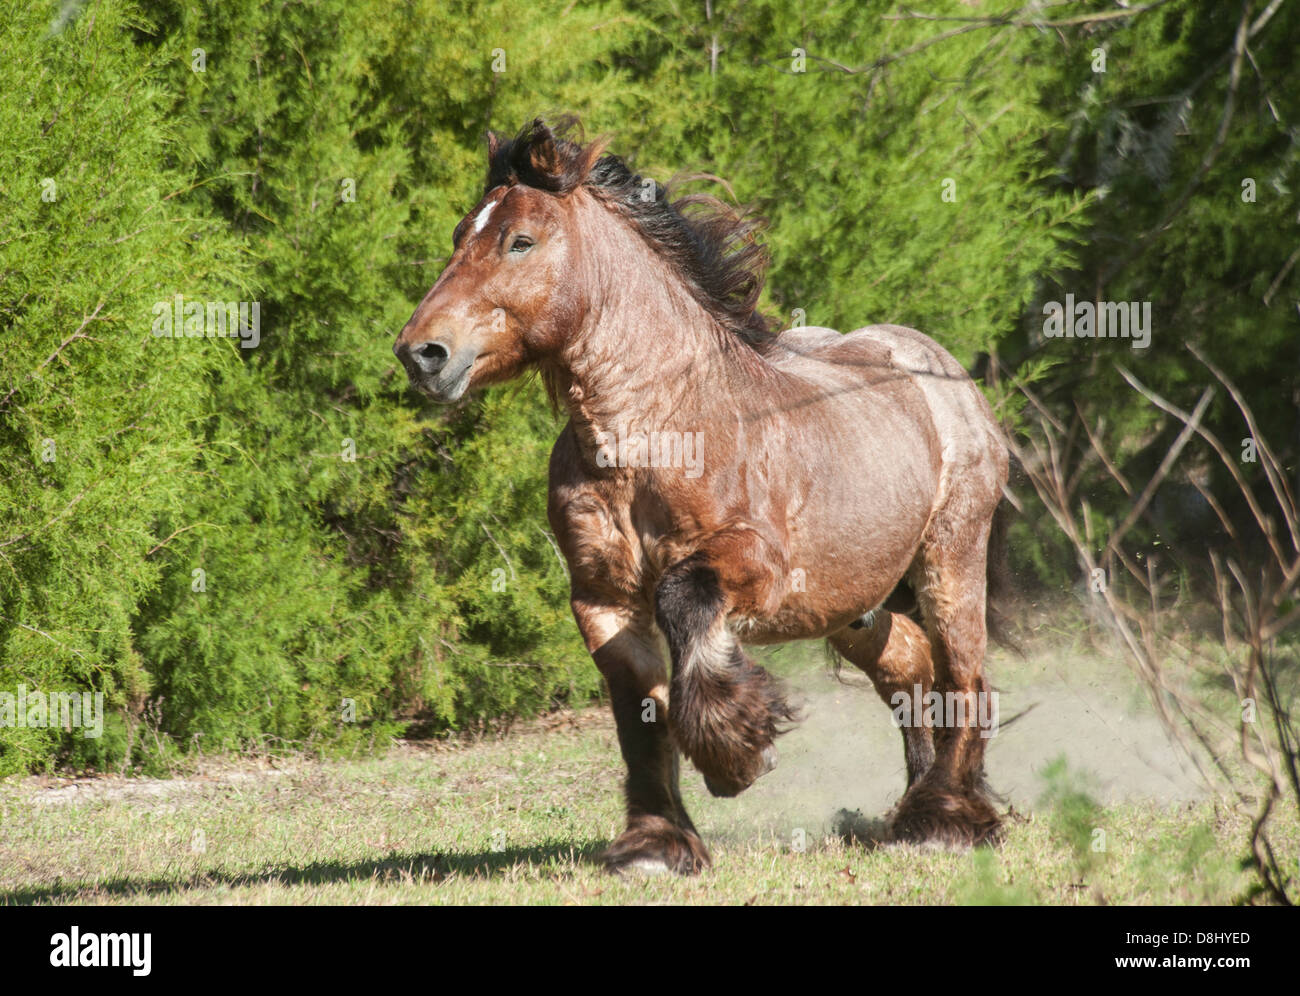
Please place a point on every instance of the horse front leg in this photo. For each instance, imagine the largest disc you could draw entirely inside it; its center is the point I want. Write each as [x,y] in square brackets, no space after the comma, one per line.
[659,835]
[725,711]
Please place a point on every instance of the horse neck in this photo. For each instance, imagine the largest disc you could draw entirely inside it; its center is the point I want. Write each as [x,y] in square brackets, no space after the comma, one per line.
[648,355]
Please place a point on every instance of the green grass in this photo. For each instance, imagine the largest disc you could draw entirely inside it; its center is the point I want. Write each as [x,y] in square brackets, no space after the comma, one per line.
[521,818]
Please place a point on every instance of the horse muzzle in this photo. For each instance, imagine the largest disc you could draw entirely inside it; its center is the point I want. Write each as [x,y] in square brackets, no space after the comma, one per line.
[435,370]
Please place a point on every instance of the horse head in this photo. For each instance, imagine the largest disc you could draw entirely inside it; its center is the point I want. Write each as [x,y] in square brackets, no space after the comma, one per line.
[510,293]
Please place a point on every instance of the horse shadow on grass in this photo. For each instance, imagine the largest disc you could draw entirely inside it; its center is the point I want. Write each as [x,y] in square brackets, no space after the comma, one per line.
[850,826]
[434,867]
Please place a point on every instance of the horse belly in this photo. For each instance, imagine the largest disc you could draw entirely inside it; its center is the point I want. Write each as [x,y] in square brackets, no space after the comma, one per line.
[855,528]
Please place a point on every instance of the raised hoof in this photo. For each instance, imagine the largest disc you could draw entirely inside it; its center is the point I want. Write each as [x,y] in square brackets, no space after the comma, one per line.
[725,721]
[727,789]
[936,814]
[653,845]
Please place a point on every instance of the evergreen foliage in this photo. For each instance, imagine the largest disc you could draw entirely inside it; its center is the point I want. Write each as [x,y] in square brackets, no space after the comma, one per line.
[241,545]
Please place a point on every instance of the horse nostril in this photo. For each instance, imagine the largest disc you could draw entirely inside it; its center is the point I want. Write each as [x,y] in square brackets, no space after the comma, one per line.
[432,356]
[434,350]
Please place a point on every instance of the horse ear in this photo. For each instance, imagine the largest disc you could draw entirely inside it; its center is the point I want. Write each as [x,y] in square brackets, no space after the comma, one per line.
[494,145]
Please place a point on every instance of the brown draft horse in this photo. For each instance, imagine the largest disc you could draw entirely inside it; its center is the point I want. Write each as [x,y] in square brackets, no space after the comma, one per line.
[719,481]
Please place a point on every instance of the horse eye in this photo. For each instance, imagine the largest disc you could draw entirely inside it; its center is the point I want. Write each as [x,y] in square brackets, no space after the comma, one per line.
[521,244]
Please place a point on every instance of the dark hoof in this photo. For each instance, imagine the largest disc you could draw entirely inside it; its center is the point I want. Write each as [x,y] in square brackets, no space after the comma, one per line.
[936,814]
[725,720]
[726,789]
[652,845]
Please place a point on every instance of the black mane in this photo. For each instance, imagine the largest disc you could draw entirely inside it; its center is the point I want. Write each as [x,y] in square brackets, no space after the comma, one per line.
[714,248]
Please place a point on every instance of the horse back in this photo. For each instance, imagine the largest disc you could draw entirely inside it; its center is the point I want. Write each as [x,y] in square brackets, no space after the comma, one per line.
[877,359]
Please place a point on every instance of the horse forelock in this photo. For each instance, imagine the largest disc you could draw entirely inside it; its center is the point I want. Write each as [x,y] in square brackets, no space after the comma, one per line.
[713,248]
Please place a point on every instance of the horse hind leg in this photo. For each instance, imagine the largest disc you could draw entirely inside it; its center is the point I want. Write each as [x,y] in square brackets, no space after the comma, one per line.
[894,653]
[951,803]
[725,711]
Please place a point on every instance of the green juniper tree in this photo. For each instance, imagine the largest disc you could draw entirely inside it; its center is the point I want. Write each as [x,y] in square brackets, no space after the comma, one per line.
[283,541]
[102,423]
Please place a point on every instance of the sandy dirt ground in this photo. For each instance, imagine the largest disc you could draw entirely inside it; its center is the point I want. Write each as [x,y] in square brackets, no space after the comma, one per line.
[845,760]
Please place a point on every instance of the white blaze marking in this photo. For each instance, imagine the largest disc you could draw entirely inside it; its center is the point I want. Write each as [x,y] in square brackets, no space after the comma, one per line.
[482,218]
